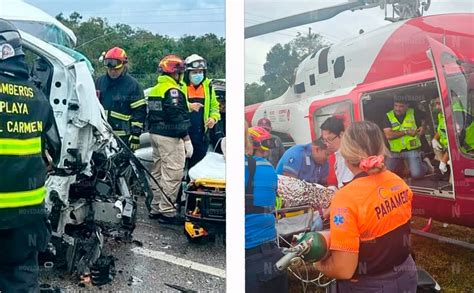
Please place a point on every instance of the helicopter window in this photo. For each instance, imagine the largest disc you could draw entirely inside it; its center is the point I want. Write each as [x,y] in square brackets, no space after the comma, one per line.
[341,109]
[459,78]
[339,67]
[312,79]
[323,60]
[299,88]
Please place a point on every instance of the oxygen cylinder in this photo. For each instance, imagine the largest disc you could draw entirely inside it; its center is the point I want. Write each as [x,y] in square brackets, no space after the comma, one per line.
[319,247]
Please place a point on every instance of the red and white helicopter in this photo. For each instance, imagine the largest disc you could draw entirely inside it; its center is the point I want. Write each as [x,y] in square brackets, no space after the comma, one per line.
[422,57]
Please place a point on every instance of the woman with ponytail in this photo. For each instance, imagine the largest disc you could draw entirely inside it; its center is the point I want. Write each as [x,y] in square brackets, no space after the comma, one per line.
[370,220]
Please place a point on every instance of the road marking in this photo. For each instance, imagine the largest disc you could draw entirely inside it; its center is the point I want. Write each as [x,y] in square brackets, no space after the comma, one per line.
[179,261]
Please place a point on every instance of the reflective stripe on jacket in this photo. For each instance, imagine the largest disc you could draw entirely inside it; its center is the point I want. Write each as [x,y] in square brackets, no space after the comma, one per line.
[124,102]
[25,117]
[168,110]
[406,142]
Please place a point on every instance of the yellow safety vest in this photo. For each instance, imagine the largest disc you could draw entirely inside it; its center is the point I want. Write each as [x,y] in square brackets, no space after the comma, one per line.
[406,142]
[443,139]
[468,144]
[211,105]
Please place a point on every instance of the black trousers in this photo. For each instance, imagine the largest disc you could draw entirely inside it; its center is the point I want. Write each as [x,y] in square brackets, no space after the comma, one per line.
[200,141]
[260,272]
[19,256]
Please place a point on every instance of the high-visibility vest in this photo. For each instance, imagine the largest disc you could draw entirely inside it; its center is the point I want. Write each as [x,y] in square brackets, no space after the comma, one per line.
[406,142]
[25,114]
[211,105]
[443,139]
[159,122]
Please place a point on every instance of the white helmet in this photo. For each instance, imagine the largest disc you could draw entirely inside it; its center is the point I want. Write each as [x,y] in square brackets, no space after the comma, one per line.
[195,61]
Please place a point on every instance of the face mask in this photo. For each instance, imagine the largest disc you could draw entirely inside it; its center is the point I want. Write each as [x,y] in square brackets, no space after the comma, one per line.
[196,78]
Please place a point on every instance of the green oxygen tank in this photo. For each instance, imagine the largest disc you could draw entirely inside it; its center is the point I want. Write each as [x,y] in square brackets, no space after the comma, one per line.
[319,247]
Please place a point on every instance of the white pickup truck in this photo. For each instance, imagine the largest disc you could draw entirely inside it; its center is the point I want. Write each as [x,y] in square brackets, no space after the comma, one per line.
[94,186]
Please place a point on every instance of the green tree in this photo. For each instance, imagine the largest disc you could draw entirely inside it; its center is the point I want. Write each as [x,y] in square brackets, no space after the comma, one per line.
[143,47]
[280,66]
[254,93]
[282,61]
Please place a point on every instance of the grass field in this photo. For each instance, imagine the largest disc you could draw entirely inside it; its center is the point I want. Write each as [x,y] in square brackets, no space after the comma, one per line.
[451,266]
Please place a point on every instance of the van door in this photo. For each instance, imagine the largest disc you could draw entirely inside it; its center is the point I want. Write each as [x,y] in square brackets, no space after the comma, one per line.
[455,78]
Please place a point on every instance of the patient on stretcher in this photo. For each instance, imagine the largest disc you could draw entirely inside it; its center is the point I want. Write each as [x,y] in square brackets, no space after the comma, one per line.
[295,192]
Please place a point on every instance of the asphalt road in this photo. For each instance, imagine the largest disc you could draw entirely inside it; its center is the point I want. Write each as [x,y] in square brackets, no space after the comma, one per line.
[160,254]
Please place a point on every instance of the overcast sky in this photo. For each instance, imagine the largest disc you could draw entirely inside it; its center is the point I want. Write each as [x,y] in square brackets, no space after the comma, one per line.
[345,25]
[168,17]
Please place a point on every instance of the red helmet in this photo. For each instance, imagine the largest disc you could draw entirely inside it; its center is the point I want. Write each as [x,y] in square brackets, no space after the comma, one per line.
[261,138]
[115,58]
[171,64]
[265,123]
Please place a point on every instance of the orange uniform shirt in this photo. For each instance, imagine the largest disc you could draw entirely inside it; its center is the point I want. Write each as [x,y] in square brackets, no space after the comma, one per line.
[368,209]
[196,93]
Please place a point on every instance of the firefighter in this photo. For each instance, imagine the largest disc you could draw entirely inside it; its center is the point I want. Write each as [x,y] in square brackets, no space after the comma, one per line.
[168,122]
[27,125]
[370,220]
[122,98]
[203,105]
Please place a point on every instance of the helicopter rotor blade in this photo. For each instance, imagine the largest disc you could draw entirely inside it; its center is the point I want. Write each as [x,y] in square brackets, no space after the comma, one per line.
[304,18]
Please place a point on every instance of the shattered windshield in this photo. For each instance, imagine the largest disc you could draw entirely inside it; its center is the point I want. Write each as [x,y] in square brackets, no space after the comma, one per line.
[44,31]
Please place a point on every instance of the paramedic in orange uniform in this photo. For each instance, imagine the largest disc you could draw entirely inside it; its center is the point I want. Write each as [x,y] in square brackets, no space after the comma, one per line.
[370,221]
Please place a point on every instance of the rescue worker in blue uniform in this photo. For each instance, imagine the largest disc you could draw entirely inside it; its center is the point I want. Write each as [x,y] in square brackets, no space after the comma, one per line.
[122,98]
[261,250]
[202,103]
[27,128]
[306,162]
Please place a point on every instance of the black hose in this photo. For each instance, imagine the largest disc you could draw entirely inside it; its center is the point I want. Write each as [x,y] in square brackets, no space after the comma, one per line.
[139,164]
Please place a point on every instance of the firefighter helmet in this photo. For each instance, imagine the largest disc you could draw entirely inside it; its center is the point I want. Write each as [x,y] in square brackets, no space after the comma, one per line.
[261,138]
[171,64]
[115,58]
[10,41]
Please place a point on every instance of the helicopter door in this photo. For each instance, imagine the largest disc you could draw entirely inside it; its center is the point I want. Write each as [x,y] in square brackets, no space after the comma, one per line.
[455,78]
